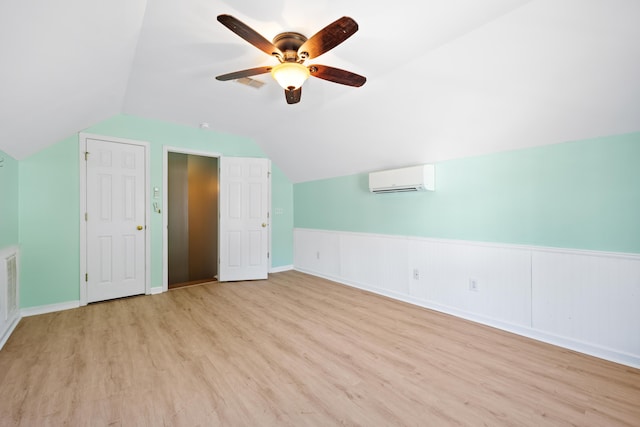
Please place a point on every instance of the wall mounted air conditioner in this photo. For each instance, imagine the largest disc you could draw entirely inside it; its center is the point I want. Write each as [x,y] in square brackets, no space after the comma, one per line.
[413,178]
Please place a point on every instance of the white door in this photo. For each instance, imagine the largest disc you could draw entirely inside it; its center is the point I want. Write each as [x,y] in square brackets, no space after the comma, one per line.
[115,219]
[244,218]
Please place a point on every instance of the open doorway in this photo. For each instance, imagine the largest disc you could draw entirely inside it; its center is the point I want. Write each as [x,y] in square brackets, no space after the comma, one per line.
[241,248]
[192,223]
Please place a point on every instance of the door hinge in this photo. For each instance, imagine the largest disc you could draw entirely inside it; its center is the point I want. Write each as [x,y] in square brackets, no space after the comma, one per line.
[267,254]
[86,277]
[86,155]
[86,216]
[268,174]
[268,215]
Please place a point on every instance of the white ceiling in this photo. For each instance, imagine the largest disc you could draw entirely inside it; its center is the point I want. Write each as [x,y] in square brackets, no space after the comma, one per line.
[445,78]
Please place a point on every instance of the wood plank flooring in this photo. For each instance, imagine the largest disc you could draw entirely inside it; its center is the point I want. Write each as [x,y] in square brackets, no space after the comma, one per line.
[295,350]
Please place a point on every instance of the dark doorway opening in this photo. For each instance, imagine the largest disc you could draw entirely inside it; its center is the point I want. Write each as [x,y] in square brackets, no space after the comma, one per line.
[192,219]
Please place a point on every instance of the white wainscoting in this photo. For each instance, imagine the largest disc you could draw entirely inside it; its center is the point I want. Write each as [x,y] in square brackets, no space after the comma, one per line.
[9,292]
[583,300]
[593,298]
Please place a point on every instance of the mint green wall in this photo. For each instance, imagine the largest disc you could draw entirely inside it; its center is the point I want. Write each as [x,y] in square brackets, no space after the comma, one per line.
[49,225]
[9,200]
[583,195]
[50,204]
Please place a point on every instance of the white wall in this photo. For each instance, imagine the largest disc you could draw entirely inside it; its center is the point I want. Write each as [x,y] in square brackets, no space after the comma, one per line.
[583,300]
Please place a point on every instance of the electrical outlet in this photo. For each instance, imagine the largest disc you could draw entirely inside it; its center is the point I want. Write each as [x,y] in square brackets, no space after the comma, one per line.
[473,285]
[416,274]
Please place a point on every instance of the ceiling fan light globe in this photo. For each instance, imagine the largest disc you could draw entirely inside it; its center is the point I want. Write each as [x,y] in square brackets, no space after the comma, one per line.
[290,75]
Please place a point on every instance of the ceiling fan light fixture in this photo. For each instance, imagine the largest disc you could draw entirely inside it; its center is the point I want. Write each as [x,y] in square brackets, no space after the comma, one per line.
[290,75]
[291,50]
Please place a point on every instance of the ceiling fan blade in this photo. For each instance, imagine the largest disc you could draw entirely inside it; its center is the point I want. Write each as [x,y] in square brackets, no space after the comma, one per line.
[249,34]
[244,73]
[328,38]
[337,75]
[293,95]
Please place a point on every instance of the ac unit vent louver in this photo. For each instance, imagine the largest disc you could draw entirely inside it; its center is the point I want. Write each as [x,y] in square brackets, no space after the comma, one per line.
[409,179]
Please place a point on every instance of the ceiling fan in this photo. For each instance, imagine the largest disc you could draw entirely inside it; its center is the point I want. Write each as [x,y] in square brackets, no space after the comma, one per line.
[292,50]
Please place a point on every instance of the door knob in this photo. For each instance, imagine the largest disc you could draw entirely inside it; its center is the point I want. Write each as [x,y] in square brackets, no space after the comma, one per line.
[140,227]
[264,224]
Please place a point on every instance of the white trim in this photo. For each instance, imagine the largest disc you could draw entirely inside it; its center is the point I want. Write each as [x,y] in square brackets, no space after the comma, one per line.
[49,308]
[156,291]
[82,144]
[513,246]
[9,250]
[9,324]
[582,347]
[281,269]
[82,148]
[166,149]
[8,331]
[269,215]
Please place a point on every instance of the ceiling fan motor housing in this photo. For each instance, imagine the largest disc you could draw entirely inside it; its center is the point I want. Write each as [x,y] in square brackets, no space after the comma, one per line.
[289,43]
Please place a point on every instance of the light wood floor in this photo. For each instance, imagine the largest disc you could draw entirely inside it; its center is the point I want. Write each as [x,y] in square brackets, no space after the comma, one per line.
[295,350]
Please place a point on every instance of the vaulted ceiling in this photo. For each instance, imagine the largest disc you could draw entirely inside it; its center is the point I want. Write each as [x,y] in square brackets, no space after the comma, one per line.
[445,78]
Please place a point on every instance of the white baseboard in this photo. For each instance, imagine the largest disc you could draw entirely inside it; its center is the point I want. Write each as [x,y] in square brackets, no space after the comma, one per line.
[281,269]
[581,347]
[50,308]
[155,291]
[7,333]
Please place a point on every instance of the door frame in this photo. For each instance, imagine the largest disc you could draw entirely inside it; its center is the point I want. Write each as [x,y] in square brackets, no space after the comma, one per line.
[166,149]
[82,144]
